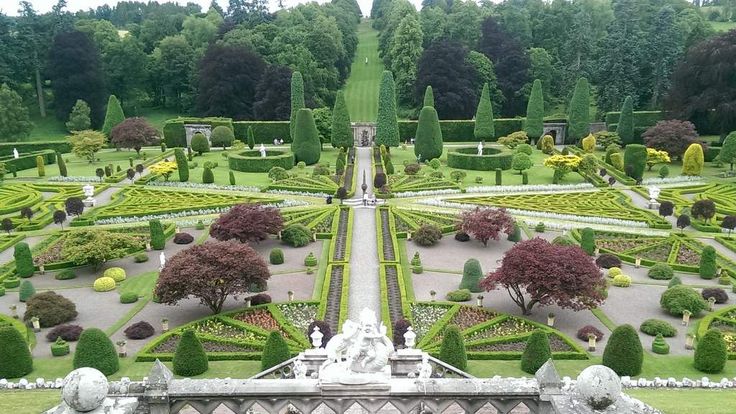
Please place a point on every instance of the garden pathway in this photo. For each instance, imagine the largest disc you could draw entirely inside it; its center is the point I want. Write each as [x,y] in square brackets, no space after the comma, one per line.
[365,291]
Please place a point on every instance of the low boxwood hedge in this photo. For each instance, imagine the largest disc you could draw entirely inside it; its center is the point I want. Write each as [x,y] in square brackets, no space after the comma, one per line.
[251,160]
[468,159]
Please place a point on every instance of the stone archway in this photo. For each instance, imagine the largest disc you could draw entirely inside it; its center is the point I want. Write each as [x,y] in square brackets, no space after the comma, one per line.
[363,134]
[191,129]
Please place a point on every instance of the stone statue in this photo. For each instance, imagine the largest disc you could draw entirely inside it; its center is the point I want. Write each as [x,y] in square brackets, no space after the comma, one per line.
[424,368]
[162,261]
[653,195]
[89,191]
[366,350]
[480,148]
[262,150]
[15,153]
[300,371]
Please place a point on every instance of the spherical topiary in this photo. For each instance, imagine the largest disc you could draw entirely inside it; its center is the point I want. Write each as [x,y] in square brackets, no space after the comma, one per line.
[586,330]
[95,350]
[129,297]
[624,353]
[189,357]
[115,273]
[140,258]
[139,330]
[65,274]
[183,238]
[275,351]
[296,235]
[427,235]
[104,284]
[460,295]
[660,346]
[661,271]
[658,327]
[711,353]
[613,272]
[676,300]
[536,352]
[719,294]
[324,328]
[276,256]
[51,309]
[200,143]
[452,350]
[462,236]
[15,357]
[622,280]
[222,136]
[26,291]
[607,261]
[472,274]
[69,333]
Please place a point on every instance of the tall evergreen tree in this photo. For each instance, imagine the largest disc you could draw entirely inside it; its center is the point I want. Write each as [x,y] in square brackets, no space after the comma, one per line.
[428,139]
[14,122]
[306,145]
[578,119]
[665,47]
[297,99]
[61,164]
[484,128]
[342,132]
[79,117]
[404,54]
[387,124]
[113,116]
[182,165]
[625,128]
[428,97]
[534,124]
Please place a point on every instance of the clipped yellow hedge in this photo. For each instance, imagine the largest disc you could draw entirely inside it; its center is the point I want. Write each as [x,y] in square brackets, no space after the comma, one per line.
[115,273]
[104,284]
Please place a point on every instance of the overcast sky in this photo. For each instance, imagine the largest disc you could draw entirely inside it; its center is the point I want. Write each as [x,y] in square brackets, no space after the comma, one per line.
[11,6]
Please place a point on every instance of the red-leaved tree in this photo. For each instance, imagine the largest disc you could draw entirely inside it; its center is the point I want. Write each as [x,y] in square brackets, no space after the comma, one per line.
[486,223]
[537,272]
[247,222]
[211,272]
[133,133]
[672,136]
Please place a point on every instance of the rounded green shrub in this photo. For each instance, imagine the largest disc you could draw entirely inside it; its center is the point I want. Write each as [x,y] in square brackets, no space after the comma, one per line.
[540,227]
[222,136]
[158,239]
[115,273]
[587,240]
[15,357]
[189,358]
[200,144]
[658,327]
[140,258]
[661,271]
[104,284]
[427,235]
[296,235]
[23,260]
[275,351]
[624,353]
[129,297]
[276,256]
[208,177]
[95,350]
[60,347]
[460,295]
[310,260]
[711,353]
[472,274]
[622,280]
[11,282]
[452,350]
[536,352]
[708,267]
[51,309]
[614,271]
[660,346]
[66,274]
[26,291]
[677,299]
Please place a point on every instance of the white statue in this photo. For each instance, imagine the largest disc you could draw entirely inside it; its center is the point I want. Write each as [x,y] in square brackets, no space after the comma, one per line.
[89,191]
[480,148]
[300,371]
[162,261]
[15,153]
[262,150]
[424,368]
[653,193]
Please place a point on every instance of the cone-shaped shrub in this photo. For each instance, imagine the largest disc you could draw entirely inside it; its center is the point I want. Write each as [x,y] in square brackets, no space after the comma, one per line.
[251,139]
[113,116]
[710,353]
[635,160]
[624,353]
[428,139]
[62,165]
[26,290]
[182,165]
[208,177]
[587,240]
[158,239]
[189,357]
[472,274]
[95,350]
[306,146]
[484,128]
[342,132]
[660,346]
[428,97]
[387,125]
[625,128]
[693,160]
[15,358]
[23,260]
[516,235]
[297,100]
[708,267]
[274,352]
[534,124]
[579,115]
[452,350]
[536,352]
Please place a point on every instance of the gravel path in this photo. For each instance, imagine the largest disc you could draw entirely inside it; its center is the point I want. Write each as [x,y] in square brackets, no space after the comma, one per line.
[7,254]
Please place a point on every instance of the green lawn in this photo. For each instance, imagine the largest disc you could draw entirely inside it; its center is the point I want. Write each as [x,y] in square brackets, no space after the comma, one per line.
[82,167]
[679,401]
[361,89]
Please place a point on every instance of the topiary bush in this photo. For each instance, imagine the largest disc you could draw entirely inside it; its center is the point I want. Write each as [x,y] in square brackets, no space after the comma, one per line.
[104,284]
[613,272]
[674,282]
[259,299]
[708,267]
[677,299]
[183,238]
[95,350]
[158,239]
[324,328]
[23,260]
[587,241]
[661,271]
[275,351]
[460,295]
[11,282]
[624,353]
[412,169]
[189,358]
[452,350]
[586,330]
[564,241]
[310,260]
[540,227]
[51,309]
[139,330]
[115,273]
[67,274]
[658,327]
[69,333]
[621,280]
[276,256]
[427,235]
[472,274]
[59,348]
[719,294]
[607,261]
[128,297]
[462,236]
[660,346]
[199,143]
[15,357]
[536,352]
[26,291]
[140,258]
[296,235]
[711,352]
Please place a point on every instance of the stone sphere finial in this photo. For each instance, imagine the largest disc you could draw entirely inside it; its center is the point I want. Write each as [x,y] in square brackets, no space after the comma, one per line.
[598,386]
[85,389]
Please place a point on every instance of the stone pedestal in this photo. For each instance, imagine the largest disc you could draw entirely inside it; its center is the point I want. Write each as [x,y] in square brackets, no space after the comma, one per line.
[653,205]
[89,202]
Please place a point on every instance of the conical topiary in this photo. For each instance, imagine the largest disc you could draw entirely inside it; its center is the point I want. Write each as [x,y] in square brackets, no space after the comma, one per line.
[387,124]
[660,346]
[587,240]
[189,357]
[452,350]
[534,123]
[26,290]
[484,129]
[113,116]
[708,267]
[625,127]
[297,100]
[342,131]
[536,352]
[15,357]
[95,350]
[428,97]
[711,353]
[251,139]
[428,138]
[158,239]
[472,274]
[306,145]
[23,260]
[624,353]
[275,351]
[579,112]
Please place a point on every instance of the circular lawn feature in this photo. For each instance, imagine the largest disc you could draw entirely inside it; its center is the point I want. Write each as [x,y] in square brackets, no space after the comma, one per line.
[251,160]
[468,159]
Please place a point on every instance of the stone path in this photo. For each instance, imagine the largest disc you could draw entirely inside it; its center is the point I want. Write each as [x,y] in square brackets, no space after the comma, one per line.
[365,291]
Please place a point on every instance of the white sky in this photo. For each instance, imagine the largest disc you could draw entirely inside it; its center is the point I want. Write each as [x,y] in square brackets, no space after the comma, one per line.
[10,7]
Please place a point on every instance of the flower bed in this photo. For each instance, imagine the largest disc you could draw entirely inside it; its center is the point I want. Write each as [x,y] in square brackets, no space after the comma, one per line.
[418,183]
[410,220]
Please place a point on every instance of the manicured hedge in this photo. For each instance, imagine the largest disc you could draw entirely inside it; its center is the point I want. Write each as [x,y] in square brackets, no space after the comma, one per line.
[175,134]
[642,119]
[264,131]
[6,148]
[467,159]
[28,160]
[462,130]
[251,160]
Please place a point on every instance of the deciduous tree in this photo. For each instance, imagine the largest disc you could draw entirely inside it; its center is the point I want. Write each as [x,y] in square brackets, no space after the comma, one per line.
[728,151]
[134,133]
[704,209]
[247,223]
[85,144]
[486,223]
[79,117]
[273,93]
[454,81]
[15,123]
[672,136]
